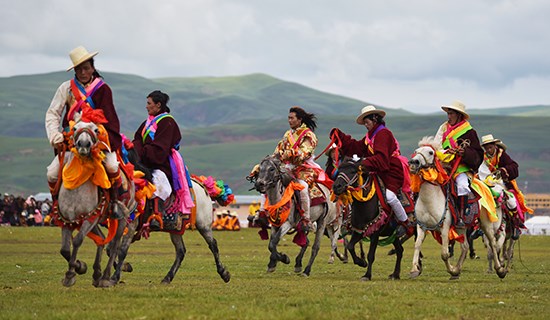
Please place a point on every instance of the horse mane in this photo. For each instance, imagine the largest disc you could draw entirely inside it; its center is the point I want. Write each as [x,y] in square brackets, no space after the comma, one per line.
[429,141]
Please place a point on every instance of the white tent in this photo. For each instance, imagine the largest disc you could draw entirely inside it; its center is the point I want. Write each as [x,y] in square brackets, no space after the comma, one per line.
[538,225]
[42,196]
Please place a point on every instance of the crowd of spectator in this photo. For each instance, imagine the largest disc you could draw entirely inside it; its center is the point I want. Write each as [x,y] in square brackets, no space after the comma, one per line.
[20,211]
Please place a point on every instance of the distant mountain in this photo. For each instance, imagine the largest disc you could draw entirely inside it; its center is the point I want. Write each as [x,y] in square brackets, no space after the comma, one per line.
[195,102]
[525,111]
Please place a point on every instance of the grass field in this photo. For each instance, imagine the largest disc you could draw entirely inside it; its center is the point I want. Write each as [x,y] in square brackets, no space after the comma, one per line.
[31,270]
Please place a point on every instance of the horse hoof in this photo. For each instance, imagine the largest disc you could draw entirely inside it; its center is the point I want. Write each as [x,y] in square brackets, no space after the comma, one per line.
[285,259]
[394,277]
[414,274]
[391,252]
[501,273]
[363,279]
[105,283]
[127,267]
[165,281]
[331,260]
[226,276]
[454,277]
[270,269]
[81,267]
[297,269]
[68,282]
[305,275]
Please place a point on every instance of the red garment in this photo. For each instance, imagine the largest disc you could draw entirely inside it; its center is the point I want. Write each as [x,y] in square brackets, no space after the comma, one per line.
[103,99]
[380,160]
[155,154]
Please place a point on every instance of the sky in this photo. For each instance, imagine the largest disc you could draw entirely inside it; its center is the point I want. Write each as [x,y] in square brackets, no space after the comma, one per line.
[415,55]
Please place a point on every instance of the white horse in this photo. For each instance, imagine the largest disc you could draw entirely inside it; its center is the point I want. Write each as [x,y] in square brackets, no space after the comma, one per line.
[433,213]
[203,223]
[271,181]
[502,228]
[84,208]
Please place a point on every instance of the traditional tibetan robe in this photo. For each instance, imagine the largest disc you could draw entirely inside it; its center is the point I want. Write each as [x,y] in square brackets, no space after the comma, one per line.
[462,134]
[501,161]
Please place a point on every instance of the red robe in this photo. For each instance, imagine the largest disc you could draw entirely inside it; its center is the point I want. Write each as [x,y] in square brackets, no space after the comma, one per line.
[380,160]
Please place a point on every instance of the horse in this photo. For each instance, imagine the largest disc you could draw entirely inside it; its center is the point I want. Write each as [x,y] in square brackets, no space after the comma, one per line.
[334,231]
[504,229]
[272,180]
[433,213]
[85,207]
[203,223]
[366,217]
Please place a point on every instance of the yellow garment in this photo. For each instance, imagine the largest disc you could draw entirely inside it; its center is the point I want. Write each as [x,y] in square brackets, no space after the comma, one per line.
[487,201]
[445,157]
[431,175]
[82,169]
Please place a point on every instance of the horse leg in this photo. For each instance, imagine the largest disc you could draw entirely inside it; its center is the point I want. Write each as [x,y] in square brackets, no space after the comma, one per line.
[206,233]
[333,242]
[491,243]
[445,256]
[489,255]
[74,264]
[300,257]
[416,264]
[371,256]
[120,264]
[315,247]
[464,247]
[345,256]
[179,246]
[98,255]
[106,280]
[276,236]
[509,253]
[356,237]
[398,245]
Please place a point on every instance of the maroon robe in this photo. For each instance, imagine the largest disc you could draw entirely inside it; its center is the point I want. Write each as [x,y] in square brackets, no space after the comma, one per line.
[380,161]
[509,169]
[155,154]
[103,100]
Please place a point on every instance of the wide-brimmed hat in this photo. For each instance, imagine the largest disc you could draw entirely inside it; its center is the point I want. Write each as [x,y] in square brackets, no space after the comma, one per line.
[486,139]
[457,106]
[369,110]
[80,55]
[233,213]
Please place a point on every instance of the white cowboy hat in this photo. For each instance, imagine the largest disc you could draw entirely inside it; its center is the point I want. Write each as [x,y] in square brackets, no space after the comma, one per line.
[79,55]
[233,213]
[486,139]
[457,106]
[368,110]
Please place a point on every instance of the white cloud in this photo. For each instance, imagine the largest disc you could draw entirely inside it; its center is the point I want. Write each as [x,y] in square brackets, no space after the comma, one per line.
[394,53]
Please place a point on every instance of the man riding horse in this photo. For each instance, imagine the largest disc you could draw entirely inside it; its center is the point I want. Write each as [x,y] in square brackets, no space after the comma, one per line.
[296,150]
[86,90]
[461,151]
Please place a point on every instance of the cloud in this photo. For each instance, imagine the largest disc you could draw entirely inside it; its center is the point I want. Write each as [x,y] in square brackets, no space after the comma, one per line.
[394,53]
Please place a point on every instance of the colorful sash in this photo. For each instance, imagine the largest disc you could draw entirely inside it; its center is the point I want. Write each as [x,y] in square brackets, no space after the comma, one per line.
[83,95]
[450,138]
[151,125]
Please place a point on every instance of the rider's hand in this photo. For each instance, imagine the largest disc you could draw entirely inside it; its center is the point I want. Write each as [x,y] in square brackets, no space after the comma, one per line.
[335,132]
[57,140]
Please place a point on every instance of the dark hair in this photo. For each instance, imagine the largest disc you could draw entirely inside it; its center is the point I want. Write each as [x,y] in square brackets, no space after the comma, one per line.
[159,96]
[376,118]
[309,119]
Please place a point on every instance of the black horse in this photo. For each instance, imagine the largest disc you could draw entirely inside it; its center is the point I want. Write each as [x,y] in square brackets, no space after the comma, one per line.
[366,215]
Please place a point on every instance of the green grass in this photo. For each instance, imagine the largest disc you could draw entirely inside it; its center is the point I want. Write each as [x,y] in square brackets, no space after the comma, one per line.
[31,270]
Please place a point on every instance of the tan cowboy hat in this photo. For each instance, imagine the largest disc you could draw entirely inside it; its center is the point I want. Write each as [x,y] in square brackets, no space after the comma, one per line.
[366,111]
[486,139]
[233,213]
[79,55]
[457,106]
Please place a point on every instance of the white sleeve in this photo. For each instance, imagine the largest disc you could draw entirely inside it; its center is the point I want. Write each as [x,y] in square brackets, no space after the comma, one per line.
[439,134]
[54,113]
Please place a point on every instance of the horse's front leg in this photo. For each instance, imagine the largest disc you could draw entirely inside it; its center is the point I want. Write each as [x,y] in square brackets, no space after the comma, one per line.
[276,236]
[316,246]
[106,280]
[491,243]
[75,266]
[123,252]
[371,255]
[464,247]
[416,264]
[206,232]
[356,237]
[396,275]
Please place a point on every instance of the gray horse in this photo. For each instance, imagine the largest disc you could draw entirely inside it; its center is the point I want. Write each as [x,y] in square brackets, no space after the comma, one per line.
[271,181]
[203,204]
[86,207]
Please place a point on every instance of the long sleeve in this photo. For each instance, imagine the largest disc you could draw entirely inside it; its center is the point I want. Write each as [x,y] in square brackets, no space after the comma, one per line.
[508,167]
[55,112]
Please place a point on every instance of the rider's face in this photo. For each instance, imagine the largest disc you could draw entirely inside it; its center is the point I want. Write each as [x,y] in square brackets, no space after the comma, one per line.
[490,148]
[369,123]
[293,121]
[84,72]
[453,117]
[152,108]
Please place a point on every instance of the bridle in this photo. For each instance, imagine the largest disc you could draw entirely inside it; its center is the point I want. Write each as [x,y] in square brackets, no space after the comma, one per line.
[272,182]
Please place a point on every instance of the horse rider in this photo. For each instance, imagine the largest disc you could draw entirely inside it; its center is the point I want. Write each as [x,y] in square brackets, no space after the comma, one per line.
[296,151]
[460,149]
[381,154]
[497,163]
[86,90]
[156,143]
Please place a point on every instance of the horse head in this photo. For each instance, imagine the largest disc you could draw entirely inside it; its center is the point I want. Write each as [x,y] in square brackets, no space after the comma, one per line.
[85,137]
[424,155]
[271,172]
[348,175]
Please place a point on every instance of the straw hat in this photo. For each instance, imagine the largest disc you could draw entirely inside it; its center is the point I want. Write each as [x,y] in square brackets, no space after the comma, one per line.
[233,213]
[366,111]
[457,106]
[490,139]
[79,55]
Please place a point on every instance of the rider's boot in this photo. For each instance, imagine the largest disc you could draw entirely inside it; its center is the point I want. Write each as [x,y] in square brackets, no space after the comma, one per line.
[305,203]
[462,205]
